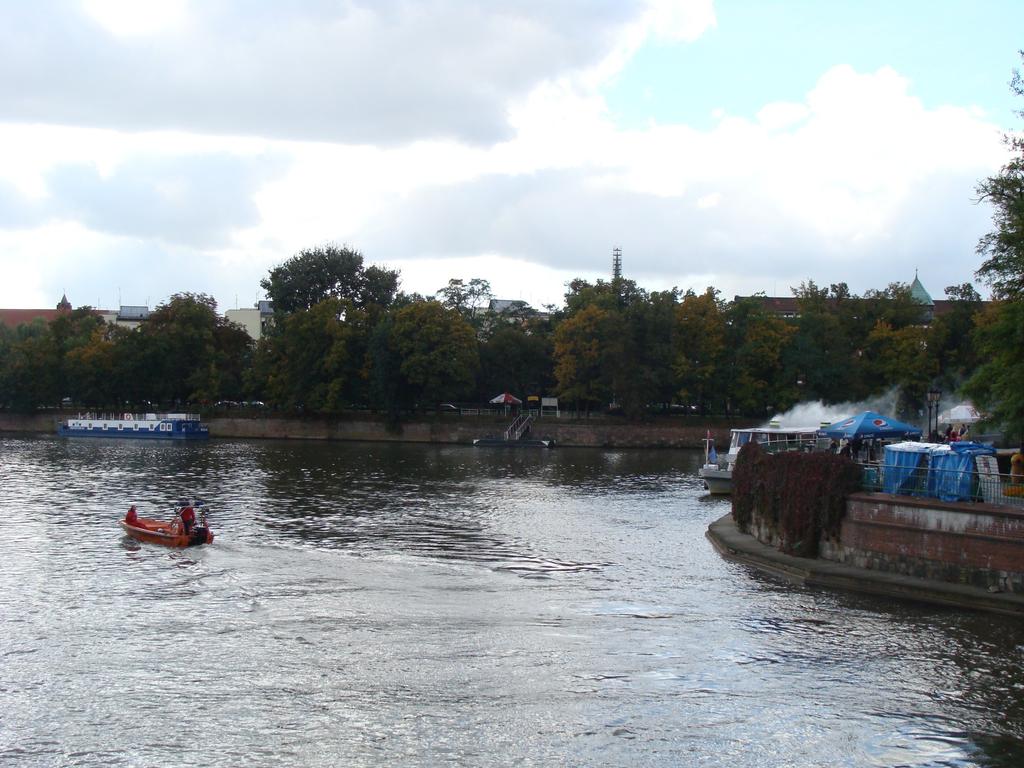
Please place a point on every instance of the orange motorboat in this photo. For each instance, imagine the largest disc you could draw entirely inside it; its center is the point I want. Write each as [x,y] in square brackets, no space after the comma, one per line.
[182,531]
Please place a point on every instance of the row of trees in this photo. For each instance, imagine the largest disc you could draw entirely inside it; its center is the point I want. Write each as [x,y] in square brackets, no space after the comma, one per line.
[345,337]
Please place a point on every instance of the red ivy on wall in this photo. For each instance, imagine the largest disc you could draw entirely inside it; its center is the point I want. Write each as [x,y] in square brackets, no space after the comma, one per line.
[800,497]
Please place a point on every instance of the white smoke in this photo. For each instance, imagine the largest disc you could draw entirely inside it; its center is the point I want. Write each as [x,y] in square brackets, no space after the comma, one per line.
[818,413]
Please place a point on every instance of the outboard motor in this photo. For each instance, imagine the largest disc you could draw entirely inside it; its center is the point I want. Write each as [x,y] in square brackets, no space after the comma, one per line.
[198,535]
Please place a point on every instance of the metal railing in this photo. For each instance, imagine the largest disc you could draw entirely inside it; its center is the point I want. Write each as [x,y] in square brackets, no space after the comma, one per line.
[518,426]
[944,484]
[131,416]
[794,443]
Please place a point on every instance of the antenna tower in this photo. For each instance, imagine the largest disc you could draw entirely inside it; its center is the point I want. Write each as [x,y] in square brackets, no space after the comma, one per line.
[616,264]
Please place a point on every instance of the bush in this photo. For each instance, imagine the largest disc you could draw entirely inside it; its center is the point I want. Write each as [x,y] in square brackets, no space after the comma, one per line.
[799,497]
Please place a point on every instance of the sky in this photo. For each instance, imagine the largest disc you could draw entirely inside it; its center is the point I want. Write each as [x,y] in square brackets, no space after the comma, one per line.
[155,148]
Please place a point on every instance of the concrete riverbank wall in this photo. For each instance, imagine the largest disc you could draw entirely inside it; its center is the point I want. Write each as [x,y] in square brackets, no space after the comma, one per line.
[592,433]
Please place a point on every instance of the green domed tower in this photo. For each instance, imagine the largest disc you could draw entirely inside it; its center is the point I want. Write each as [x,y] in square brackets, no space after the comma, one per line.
[921,296]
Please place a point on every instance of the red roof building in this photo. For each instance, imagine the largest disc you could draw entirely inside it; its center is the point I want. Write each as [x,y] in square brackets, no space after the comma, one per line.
[12,318]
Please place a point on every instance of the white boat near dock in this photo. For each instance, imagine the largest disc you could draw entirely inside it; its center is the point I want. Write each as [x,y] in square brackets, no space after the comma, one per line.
[717,469]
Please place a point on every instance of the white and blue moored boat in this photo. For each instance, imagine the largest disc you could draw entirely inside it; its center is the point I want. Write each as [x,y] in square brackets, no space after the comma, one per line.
[147,426]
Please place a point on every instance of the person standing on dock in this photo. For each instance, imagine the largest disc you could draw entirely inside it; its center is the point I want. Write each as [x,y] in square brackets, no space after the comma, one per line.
[1017,465]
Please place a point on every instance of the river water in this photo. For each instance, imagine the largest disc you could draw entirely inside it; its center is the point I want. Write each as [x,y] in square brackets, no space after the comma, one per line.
[369,604]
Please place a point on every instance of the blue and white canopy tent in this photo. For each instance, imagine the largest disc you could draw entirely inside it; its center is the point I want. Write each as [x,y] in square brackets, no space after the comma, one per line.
[869,425]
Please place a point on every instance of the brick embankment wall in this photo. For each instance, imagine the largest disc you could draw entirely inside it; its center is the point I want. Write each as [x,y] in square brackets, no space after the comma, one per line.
[829,574]
[962,543]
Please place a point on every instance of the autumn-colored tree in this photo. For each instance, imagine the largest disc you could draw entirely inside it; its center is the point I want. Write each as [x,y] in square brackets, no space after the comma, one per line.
[91,369]
[581,346]
[699,350]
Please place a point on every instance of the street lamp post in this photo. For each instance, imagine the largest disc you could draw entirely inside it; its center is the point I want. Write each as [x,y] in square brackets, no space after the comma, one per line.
[934,396]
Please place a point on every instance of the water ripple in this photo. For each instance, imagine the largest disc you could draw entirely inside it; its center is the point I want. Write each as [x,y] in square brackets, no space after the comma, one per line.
[421,605]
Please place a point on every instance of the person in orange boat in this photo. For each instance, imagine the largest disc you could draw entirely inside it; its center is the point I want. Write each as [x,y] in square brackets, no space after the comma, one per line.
[132,517]
[188,519]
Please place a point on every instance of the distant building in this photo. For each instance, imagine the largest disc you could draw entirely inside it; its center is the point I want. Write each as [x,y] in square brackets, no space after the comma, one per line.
[254,320]
[12,318]
[131,317]
[789,306]
[921,296]
[510,306]
[500,306]
[126,316]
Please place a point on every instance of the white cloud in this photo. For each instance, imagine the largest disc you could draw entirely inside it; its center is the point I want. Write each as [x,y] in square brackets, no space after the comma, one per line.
[383,72]
[485,150]
[134,18]
[710,200]
[782,115]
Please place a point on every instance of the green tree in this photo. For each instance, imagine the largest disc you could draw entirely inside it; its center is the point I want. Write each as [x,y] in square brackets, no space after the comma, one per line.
[902,358]
[640,354]
[997,386]
[1004,245]
[468,299]
[823,355]
[386,388]
[309,363]
[328,271]
[438,352]
[515,359]
[757,341]
[605,295]
[949,336]
[189,352]
[29,368]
